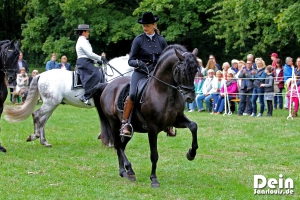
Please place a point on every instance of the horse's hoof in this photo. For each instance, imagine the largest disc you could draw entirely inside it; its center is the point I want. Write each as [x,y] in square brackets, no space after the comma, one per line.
[46,144]
[131,177]
[28,139]
[189,157]
[155,184]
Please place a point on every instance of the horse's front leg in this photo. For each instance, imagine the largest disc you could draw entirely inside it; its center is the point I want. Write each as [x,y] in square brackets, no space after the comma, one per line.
[152,137]
[183,122]
[36,134]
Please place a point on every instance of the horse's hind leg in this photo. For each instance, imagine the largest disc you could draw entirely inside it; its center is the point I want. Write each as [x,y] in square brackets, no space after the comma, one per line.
[124,164]
[36,134]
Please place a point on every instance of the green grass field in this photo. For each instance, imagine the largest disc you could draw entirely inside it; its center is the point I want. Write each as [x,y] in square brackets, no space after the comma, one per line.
[231,151]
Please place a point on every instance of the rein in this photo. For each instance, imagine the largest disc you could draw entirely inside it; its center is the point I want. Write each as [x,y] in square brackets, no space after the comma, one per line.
[112,69]
[180,88]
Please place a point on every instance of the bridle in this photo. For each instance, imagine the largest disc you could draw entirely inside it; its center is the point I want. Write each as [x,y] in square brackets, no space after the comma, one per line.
[180,87]
[4,56]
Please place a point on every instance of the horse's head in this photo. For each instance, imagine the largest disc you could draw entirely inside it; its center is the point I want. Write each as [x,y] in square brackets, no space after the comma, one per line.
[184,74]
[9,54]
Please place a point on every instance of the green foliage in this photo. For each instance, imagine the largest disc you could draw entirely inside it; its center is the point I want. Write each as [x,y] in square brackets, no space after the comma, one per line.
[251,25]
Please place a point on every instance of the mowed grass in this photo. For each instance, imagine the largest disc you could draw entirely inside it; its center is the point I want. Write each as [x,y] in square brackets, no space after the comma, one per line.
[231,151]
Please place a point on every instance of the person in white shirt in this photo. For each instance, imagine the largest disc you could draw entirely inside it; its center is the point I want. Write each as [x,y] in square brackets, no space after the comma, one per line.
[207,95]
[89,74]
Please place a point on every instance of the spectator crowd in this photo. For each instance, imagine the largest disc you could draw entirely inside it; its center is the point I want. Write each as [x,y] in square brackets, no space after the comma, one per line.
[255,86]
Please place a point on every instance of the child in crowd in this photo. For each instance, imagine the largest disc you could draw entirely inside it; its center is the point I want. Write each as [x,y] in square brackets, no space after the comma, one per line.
[269,89]
[293,95]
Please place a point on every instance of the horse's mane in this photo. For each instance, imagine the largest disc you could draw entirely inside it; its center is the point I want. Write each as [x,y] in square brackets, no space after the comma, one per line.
[166,52]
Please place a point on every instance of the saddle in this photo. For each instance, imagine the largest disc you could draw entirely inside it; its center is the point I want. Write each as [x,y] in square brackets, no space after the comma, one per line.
[138,96]
[76,81]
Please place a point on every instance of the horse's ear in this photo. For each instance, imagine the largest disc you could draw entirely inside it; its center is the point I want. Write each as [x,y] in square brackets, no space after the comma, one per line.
[195,51]
[181,57]
[12,45]
[18,44]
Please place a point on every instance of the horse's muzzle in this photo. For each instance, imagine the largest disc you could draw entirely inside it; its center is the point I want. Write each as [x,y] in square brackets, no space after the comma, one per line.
[189,97]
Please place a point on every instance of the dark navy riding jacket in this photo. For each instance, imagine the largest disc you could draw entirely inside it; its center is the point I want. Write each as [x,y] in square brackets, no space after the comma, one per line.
[146,50]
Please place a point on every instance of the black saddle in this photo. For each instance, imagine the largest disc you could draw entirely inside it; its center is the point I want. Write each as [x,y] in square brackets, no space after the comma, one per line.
[76,80]
[138,96]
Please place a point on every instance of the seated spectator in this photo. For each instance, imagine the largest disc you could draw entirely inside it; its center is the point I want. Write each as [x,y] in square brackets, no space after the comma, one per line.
[33,74]
[234,66]
[293,95]
[217,84]
[278,76]
[206,89]
[259,76]
[64,64]
[198,82]
[52,64]
[22,84]
[229,88]
[246,89]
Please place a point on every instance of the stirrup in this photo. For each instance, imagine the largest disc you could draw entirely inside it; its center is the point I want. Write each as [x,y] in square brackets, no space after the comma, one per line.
[122,128]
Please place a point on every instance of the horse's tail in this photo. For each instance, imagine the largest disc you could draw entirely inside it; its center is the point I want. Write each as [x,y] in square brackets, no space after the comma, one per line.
[20,113]
[106,134]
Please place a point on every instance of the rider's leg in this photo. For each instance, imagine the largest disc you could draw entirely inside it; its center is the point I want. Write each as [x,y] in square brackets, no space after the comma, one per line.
[127,110]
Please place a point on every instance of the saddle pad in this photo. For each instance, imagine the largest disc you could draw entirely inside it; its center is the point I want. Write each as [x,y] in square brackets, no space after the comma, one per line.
[122,97]
[76,80]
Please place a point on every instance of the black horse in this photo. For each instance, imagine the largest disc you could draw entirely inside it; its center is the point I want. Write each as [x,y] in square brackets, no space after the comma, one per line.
[9,54]
[169,86]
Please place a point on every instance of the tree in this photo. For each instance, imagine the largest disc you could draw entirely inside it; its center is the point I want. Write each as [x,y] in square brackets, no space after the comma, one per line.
[255,26]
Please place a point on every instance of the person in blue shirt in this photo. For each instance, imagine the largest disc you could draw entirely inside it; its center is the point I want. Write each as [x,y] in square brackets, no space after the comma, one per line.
[52,64]
[64,64]
[287,73]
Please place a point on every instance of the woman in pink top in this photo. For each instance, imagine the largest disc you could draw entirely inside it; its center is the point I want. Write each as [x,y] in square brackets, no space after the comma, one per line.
[293,96]
[231,89]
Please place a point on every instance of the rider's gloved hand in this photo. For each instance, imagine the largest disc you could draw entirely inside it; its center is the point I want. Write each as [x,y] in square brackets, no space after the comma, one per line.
[99,62]
[103,59]
[142,66]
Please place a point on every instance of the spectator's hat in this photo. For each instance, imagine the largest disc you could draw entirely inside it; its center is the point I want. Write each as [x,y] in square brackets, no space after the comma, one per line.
[83,27]
[274,55]
[210,70]
[234,61]
[148,18]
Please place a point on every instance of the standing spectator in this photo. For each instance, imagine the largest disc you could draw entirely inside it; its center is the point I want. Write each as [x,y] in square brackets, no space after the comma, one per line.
[278,74]
[231,89]
[241,66]
[225,68]
[287,73]
[297,70]
[269,89]
[22,63]
[64,64]
[292,96]
[258,92]
[274,57]
[207,90]
[211,64]
[52,64]
[246,89]
[200,68]
[234,66]
[251,58]
[212,57]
